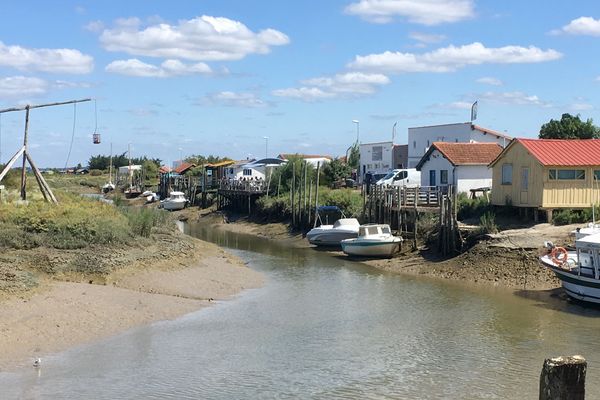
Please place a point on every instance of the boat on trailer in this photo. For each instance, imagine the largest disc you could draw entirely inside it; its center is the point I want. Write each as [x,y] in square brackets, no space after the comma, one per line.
[579,269]
[374,240]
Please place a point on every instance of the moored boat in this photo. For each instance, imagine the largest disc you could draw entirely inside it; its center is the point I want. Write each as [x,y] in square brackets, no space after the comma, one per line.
[579,270]
[374,240]
[175,201]
[332,235]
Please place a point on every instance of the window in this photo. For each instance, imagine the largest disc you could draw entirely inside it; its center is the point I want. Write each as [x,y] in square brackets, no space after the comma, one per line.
[377,153]
[507,174]
[247,172]
[414,144]
[597,175]
[444,176]
[567,174]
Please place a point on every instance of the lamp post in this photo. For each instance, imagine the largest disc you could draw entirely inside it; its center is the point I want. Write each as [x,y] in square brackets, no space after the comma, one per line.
[357,122]
[266,146]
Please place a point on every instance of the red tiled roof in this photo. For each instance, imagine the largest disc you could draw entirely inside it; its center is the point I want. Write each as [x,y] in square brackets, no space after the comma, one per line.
[184,166]
[468,153]
[164,169]
[574,152]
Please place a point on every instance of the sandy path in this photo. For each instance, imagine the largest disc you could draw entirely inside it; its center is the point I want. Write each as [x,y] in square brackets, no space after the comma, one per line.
[63,314]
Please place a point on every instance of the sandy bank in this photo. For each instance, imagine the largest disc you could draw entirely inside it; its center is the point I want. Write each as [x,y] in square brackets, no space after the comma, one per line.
[160,283]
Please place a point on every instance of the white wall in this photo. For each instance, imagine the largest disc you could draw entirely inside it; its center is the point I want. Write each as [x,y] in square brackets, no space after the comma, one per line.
[238,172]
[464,177]
[420,138]
[378,166]
[473,177]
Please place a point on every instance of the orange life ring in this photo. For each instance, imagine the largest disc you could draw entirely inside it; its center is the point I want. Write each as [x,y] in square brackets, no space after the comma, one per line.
[556,255]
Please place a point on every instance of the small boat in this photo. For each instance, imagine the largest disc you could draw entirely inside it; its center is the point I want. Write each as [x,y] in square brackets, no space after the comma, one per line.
[374,240]
[175,201]
[132,192]
[579,270]
[332,235]
[108,187]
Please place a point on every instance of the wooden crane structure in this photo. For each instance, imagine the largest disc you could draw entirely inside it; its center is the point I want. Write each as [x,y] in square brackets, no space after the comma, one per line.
[23,151]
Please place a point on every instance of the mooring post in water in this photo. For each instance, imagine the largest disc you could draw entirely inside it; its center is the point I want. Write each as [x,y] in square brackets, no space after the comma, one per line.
[563,378]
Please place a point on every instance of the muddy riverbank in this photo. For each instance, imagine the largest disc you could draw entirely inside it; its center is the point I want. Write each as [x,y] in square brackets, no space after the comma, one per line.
[507,259]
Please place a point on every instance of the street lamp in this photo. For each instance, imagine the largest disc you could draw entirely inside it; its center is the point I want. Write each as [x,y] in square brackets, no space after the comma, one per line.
[266,146]
[357,122]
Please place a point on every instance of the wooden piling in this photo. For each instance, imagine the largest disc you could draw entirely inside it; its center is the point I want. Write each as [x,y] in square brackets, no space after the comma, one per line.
[563,378]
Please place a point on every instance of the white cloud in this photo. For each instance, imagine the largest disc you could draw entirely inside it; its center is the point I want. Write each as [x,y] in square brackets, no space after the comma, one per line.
[68,61]
[94,26]
[487,80]
[426,37]
[232,99]
[451,58]
[581,107]
[59,84]
[425,12]
[203,38]
[349,84]
[581,26]
[460,105]
[22,87]
[169,68]
[513,98]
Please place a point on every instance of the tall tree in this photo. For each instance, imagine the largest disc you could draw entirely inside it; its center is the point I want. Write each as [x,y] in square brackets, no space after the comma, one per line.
[569,127]
[354,157]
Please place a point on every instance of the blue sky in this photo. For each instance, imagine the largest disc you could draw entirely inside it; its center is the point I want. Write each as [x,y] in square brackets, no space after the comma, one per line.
[217,76]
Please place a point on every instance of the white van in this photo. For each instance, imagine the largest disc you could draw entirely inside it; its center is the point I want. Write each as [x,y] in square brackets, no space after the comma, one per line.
[401,177]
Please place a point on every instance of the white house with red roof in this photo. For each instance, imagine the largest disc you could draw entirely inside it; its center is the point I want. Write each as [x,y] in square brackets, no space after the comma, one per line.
[420,138]
[547,174]
[462,165]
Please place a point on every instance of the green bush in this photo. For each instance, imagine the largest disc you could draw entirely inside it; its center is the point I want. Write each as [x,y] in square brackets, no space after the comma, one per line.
[142,220]
[471,208]
[487,223]
[568,216]
[95,172]
[348,200]
[274,208]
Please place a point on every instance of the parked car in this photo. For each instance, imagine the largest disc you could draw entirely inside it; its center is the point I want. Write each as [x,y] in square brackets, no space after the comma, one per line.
[401,177]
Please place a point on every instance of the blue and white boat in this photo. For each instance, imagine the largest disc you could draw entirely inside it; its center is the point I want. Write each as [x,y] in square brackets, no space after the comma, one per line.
[579,270]
[374,240]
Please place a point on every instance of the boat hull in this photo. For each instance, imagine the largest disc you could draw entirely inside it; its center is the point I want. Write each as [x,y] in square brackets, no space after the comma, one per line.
[173,205]
[371,248]
[329,238]
[584,288]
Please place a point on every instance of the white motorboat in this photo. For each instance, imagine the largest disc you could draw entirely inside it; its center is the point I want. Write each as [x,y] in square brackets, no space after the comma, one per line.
[332,235]
[579,270]
[175,201]
[374,240]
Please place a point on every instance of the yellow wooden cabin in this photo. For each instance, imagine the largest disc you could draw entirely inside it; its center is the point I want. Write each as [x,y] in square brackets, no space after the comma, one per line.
[547,174]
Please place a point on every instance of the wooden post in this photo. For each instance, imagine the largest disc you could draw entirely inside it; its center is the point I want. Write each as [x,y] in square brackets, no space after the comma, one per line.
[317,192]
[23,171]
[563,378]
[309,202]
[304,192]
[292,190]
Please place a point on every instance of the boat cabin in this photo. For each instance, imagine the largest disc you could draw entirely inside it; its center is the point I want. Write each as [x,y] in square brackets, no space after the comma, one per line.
[374,230]
[588,254]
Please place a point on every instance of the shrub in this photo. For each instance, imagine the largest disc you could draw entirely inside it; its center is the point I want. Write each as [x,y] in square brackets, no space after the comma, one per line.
[568,216]
[487,223]
[471,208]
[274,208]
[95,172]
[142,220]
[348,200]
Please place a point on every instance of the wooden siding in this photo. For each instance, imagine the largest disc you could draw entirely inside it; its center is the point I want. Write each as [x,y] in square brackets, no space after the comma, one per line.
[520,158]
[542,192]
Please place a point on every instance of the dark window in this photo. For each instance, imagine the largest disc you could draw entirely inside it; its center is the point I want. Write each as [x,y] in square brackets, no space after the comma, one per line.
[507,174]
[566,174]
[444,176]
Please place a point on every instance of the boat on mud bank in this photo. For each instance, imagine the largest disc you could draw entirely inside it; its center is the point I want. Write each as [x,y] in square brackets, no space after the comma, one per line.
[579,270]
[374,240]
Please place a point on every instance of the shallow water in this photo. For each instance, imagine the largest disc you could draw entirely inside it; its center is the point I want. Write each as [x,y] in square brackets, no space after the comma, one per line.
[324,327]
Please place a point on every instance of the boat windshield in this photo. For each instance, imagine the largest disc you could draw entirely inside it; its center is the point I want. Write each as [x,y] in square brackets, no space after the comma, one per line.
[386,229]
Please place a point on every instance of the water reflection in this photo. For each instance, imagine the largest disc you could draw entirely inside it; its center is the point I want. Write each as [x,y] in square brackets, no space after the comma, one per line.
[324,327]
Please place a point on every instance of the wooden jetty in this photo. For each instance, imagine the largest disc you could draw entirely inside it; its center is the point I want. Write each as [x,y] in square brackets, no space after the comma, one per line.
[401,208]
[240,194]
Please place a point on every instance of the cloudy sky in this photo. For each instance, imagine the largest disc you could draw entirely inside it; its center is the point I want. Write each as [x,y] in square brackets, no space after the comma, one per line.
[217,76]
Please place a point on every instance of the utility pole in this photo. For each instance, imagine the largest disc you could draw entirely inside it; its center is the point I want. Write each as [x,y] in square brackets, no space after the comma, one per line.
[45,189]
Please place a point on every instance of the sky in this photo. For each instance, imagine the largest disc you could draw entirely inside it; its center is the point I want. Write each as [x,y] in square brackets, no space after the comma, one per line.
[245,79]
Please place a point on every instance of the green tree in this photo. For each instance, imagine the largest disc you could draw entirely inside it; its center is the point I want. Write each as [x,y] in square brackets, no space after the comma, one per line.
[569,127]
[336,170]
[354,157]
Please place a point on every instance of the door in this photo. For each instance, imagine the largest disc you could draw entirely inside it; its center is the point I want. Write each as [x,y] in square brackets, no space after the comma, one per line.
[432,178]
[524,185]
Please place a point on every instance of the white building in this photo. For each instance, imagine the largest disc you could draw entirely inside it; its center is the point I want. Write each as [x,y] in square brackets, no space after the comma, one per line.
[421,138]
[463,165]
[252,169]
[310,159]
[376,158]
